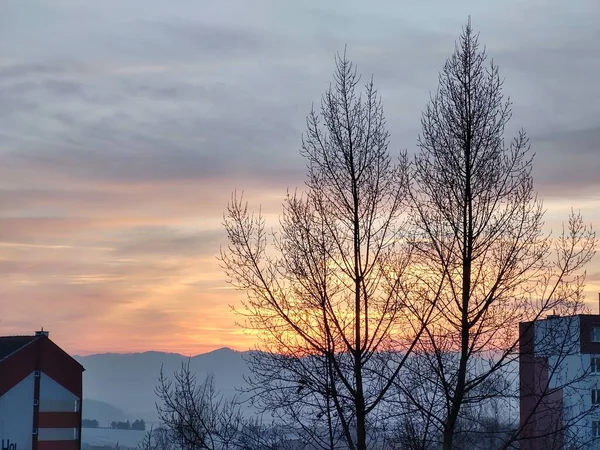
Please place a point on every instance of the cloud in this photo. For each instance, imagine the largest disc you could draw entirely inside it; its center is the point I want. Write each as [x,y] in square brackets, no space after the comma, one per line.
[567,163]
[125,126]
[164,241]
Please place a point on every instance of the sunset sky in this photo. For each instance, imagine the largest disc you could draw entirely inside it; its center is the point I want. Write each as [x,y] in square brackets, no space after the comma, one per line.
[126,124]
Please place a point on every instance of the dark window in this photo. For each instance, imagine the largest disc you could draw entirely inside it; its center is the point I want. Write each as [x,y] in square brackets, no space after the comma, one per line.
[596,429]
[595,365]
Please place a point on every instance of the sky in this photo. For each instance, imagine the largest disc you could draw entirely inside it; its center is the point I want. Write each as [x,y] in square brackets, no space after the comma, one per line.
[125,125]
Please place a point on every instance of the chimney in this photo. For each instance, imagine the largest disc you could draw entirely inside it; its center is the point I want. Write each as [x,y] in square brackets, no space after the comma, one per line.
[42,333]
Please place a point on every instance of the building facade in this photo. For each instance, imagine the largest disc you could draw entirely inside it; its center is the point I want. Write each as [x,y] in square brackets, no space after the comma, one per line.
[559,373]
[40,395]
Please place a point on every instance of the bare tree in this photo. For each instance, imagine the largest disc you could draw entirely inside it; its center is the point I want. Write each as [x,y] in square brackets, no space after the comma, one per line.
[326,294]
[257,434]
[156,439]
[480,237]
[148,442]
[194,415]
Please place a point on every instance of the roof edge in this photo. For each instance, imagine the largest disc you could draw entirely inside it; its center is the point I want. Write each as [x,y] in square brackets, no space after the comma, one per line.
[63,351]
[33,339]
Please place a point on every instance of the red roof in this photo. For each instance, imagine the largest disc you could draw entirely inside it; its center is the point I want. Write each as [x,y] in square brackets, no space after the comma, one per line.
[22,355]
[10,344]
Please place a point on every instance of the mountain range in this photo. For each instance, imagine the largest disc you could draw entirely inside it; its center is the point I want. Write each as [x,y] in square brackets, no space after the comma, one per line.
[123,385]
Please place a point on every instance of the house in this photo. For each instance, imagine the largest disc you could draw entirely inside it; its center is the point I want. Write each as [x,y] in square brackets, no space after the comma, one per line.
[559,374]
[40,395]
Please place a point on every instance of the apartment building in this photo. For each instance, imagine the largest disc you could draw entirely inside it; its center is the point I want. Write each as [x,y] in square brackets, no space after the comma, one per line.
[559,372]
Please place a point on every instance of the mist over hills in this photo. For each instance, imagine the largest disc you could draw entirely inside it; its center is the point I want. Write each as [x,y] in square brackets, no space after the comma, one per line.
[103,412]
[123,385]
[128,381]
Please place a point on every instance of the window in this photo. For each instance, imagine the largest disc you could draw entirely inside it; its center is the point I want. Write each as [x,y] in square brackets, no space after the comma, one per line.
[596,429]
[51,405]
[595,365]
[595,334]
[595,396]
[57,434]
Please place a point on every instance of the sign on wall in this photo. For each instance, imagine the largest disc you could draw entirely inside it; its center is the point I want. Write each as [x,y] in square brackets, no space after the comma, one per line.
[7,445]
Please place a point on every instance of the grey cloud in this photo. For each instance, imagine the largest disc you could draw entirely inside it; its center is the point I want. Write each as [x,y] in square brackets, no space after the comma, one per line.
[138,140]
[183,37]
[568,162]
[218,129]
[164,241]
[103,152]
[64,88]
[172,91]
[9,106]
[29,69]
[29,89]
[582,144]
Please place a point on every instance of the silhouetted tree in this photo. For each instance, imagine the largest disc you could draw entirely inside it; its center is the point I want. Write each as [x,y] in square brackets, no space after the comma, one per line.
[122,425]
[327,292]
[156,439]
[148,442]
[89,423]
[479,236]
[194,415]
[139,425]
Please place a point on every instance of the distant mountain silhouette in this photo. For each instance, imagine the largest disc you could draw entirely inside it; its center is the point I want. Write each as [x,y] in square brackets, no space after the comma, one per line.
[128,380]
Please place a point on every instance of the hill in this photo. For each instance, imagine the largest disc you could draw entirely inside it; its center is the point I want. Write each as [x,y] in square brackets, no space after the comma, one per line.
[128,381]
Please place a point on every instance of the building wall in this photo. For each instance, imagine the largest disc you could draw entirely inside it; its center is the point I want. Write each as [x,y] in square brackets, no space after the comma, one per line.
[579,411]
[59,366]
[559,336]
[58,390]
[60,400]
[58,412]
[16,415]
[55,397]
[551,369]
[560,358]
